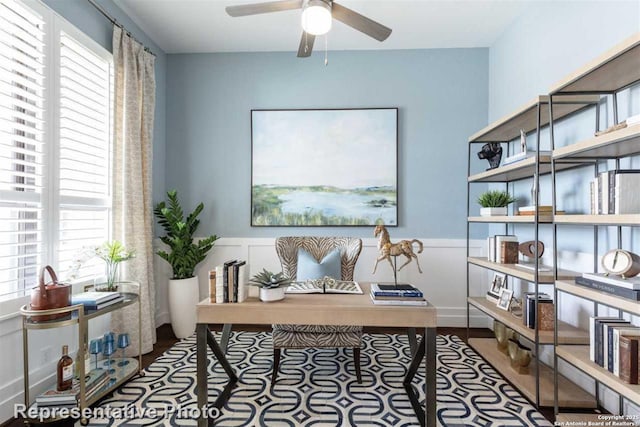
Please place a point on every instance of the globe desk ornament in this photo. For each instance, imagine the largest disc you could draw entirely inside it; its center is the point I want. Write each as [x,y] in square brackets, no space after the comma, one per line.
[491,151]
[387,250]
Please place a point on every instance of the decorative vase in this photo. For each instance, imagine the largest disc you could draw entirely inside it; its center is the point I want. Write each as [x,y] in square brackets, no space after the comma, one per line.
[493,211]
[184,295]
[272,294]
[520,356]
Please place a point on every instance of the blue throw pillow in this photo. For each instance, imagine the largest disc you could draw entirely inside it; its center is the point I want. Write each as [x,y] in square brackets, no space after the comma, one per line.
[310,269]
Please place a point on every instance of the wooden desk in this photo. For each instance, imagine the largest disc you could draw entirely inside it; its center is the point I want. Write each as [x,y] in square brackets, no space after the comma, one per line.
[319,309]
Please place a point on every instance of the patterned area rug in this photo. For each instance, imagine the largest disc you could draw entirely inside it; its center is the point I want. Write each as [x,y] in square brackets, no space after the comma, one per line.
[317,387]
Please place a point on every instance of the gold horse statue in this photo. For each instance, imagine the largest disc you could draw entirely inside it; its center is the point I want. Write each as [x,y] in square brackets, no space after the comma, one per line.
[388,249]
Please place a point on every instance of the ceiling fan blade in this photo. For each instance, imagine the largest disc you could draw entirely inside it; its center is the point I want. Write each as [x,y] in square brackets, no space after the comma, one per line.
[360,22]
[306,45]
[267,7]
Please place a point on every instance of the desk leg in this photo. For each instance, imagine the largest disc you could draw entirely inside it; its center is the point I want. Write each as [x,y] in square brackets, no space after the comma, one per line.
[428,345]
[204,338]
[224,338]
[413,341]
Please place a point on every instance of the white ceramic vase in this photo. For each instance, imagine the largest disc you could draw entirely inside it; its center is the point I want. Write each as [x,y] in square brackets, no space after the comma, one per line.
[493,211]
[272,294]
[184,295]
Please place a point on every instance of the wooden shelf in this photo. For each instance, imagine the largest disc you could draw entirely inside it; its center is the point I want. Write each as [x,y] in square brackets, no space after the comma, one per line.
[567,334]
[569,394]
[508,127]
[578,356]
[613,220]
[620,143]
[600,297]
[544,277]
[519,219]
[522,169]
[616,68]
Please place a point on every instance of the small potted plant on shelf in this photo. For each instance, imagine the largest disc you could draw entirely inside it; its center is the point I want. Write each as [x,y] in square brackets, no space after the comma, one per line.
[184,256]
[272,286]
[494,203]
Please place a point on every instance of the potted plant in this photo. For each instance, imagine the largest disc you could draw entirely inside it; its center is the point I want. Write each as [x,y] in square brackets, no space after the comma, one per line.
[272,286]
[184,256]
[494,203]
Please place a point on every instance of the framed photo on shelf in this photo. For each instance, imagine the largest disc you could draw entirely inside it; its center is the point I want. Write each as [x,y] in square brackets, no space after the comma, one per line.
[499,281]
[504,302]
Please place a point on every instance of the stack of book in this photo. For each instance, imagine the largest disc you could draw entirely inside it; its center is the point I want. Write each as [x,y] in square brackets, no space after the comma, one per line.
[542,210]
[402,294]
[626,288]
[94,381]
[615,192]
[544,315]
[96,300]
[502,248]
[614,345]
[227,283]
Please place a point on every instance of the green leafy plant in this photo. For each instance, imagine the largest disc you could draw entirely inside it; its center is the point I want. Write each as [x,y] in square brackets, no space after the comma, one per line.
[495,199]
[185,255]
[267,279]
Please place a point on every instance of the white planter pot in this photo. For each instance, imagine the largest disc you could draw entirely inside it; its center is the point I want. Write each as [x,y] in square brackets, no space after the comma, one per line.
[184,295]
[272,294]
[493,211]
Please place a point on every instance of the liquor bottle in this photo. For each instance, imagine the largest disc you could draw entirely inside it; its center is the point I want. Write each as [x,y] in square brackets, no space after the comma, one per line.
[65,370]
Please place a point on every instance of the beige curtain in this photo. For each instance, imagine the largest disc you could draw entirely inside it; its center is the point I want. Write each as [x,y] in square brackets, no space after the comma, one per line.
[135,88]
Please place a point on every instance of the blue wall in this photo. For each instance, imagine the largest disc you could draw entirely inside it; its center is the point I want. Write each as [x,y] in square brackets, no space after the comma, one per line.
[442,96]
[90,21]
[550,40]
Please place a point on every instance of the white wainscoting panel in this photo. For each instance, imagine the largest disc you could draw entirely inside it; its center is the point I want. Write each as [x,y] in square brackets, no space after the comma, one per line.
[443,280]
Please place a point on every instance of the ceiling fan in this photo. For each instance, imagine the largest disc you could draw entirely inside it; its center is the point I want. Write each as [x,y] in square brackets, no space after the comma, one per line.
[316,19]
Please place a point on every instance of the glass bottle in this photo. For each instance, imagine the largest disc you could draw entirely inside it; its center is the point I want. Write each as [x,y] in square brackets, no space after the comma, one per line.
[65,370]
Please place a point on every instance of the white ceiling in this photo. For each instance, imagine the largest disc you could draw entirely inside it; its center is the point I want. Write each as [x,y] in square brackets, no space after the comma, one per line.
[189,26]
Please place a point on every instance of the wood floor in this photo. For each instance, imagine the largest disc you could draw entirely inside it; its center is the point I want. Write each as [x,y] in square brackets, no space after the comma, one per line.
[166,339]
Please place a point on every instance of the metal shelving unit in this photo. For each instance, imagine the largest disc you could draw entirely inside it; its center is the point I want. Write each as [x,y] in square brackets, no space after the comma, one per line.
[537,384]
[609,74]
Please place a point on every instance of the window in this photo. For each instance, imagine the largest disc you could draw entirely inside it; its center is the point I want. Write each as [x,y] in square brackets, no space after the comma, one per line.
[55,145]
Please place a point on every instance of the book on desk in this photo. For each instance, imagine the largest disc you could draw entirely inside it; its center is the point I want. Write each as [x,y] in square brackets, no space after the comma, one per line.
[326,285]
[400,294]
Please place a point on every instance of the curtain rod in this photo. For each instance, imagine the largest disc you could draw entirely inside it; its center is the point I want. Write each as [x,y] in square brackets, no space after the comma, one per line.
[114,21]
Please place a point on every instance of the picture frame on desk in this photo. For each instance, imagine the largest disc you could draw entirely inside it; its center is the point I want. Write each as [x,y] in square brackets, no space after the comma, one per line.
[497,284]
[504,302]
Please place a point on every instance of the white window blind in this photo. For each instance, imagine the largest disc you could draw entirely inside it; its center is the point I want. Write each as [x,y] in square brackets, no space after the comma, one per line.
[22,146]
[55,145]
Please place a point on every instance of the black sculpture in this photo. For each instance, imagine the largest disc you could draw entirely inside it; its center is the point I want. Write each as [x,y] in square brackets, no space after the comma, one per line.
[491,151]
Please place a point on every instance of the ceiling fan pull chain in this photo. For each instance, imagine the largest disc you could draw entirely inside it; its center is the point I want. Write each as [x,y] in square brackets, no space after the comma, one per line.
[326,49]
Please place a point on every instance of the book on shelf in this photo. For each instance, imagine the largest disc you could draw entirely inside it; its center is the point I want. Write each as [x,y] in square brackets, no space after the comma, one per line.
[219,284]
[542,210]
[100,306]
[500,238]
[593,325]
[615,192]
[529,308]
[212,286]
[629,359]
[628,283]
[600,343]
[414,301]
[238,281]
[93,297]
[326,285]
[390,290]
[226,271]
[630,330]
[607,343]
[618,291]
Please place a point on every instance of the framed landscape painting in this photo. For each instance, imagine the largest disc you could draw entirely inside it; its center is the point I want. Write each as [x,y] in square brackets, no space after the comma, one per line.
[324,167]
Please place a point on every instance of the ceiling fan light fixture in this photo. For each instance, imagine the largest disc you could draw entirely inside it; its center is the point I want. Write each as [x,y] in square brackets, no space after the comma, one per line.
[316,17]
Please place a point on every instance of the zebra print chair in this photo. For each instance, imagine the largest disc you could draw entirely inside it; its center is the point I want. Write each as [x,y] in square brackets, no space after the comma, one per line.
[305,336]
